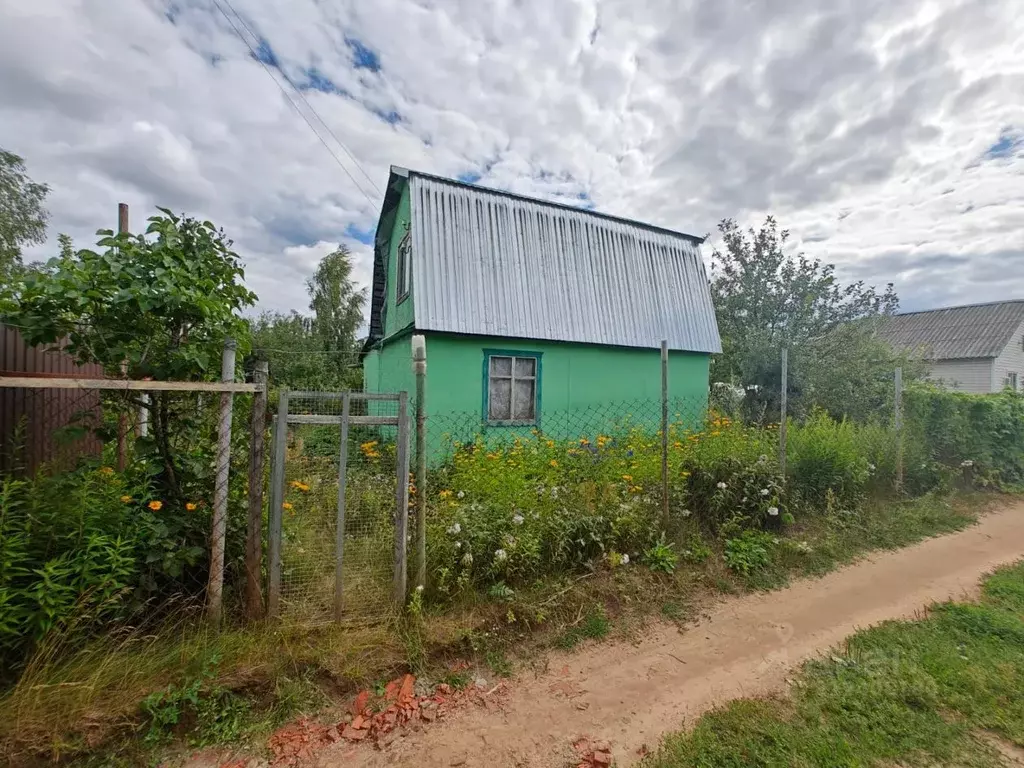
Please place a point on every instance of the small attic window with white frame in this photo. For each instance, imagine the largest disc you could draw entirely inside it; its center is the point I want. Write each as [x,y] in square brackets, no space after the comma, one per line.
[404,269]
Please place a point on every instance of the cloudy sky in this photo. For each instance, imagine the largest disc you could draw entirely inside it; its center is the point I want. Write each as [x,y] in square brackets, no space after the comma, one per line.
[888,135]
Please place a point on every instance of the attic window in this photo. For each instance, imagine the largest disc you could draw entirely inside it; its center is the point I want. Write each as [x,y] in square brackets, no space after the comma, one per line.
[512,387]
[404,278]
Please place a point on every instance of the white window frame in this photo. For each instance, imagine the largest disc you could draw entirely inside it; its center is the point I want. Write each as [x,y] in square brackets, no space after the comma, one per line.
[512,378]
[403,270]
[1011,380]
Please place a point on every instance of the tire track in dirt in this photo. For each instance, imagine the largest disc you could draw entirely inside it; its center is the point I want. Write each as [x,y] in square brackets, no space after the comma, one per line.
[630,695]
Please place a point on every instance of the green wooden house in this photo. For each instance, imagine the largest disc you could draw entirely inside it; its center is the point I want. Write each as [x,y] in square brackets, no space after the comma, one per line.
[536,315]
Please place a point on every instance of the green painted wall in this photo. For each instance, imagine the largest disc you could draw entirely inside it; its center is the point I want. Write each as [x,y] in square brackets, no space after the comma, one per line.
[584,389]
[400,316]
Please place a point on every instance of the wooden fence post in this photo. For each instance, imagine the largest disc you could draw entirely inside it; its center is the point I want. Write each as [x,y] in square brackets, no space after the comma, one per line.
[254,525]
[402,499]
[782,411]
[898,423]
[215,585]
[664,435]
[339,531]
[419,366]
[277,468]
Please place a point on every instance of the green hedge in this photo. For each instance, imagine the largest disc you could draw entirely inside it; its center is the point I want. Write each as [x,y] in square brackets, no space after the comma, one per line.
[983,434]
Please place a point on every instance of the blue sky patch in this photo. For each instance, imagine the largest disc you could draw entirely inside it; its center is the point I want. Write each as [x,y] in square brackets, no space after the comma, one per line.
[363,57]
[1009,142]
[266,54]
[364,236]
[318,81]
[391,117]
[469,178]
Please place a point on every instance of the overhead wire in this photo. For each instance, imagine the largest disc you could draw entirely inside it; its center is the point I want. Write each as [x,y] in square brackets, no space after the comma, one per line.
[294,105]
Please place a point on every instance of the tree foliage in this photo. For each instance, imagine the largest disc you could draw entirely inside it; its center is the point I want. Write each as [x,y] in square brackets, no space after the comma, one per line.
[767,298]
[22,216]
[161,304]
[318,351]
[164,301]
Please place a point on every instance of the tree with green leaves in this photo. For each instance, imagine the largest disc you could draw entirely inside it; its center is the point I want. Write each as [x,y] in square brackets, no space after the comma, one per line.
[767,298]
[161,304]
[22,216]
[317,352]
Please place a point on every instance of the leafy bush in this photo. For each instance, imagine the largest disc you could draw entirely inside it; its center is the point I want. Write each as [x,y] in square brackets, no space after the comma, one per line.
[749,552]
[826,455]
[86,547]
[661,556]
[980,437]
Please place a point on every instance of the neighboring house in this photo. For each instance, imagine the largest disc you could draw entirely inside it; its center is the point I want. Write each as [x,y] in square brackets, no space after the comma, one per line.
[974,348]
[532,310]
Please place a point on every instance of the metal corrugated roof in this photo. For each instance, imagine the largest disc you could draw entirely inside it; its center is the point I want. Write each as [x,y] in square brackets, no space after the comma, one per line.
[972,331]
[491,263]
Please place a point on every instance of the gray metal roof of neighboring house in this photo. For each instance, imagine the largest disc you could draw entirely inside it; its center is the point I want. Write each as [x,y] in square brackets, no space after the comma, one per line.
[492,263]
[972,331]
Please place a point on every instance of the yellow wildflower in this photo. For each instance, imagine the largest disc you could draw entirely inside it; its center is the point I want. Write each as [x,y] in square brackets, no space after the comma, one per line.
[636,489]
[286,506]
[445,494]
[300,486]
[191,506]
[553,463]
[551,443]
[106,470]
[584,441]
[156,506]
[126,499]
[628,478]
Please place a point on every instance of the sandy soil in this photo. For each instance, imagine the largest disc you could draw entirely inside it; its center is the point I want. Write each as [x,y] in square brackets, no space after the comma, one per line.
[631,695]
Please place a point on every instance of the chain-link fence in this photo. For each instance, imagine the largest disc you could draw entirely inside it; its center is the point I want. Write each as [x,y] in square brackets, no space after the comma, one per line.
[319,573]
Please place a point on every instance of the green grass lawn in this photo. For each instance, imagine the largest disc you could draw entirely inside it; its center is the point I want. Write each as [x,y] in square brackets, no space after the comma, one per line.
[931,692]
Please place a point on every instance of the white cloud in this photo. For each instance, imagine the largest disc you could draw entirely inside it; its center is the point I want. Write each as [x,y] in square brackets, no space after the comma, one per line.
[888,135]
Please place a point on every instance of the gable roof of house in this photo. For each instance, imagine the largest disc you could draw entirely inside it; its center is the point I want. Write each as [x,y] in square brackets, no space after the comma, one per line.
[492,263]
[952,333]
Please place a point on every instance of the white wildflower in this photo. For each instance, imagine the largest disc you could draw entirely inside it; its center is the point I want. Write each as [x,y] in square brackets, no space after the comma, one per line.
[773,511]
[419,587]
[454,529]
[509,541]
[458,545]
[722,486]
[871,467]
[625,559]
[763,457]
[966,463]
[517,519]
[500,555]
[461,494]
[743,500]
[764,491]
[467,559]
[686,513]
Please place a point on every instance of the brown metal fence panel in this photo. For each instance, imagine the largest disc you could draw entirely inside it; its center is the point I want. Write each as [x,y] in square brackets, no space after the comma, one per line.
[36,425]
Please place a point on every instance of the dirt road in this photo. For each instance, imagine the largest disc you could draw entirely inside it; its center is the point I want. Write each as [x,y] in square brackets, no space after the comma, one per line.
[631,694]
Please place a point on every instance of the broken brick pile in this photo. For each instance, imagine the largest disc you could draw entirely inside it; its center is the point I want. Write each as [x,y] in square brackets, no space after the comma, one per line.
[592,754]
[376,720]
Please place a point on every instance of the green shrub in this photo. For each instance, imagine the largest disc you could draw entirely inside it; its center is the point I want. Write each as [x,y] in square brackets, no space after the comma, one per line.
[83,548]
[661,557]
[749,552]
[825,455]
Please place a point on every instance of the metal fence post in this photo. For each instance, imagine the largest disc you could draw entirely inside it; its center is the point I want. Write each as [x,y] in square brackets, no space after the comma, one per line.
[782,411]
[898,424]
[419,366]
[339,533]
[664,434]
[215,585]
[254,525]
[276,502]
[402,498]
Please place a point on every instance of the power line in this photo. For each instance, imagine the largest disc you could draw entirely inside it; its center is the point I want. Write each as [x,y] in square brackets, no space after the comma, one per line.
[295,106]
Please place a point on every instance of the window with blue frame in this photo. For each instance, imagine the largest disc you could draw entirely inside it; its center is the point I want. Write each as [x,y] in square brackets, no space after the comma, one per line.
[511,387]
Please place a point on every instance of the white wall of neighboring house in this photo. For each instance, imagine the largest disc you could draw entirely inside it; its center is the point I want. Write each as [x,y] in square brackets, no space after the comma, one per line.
[973,375]
[1011,361]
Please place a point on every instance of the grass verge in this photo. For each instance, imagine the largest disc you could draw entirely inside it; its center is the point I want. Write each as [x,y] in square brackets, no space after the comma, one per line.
[77,702]
[928,692]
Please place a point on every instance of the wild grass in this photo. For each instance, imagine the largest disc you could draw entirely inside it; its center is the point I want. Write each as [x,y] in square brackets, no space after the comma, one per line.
[906,692]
